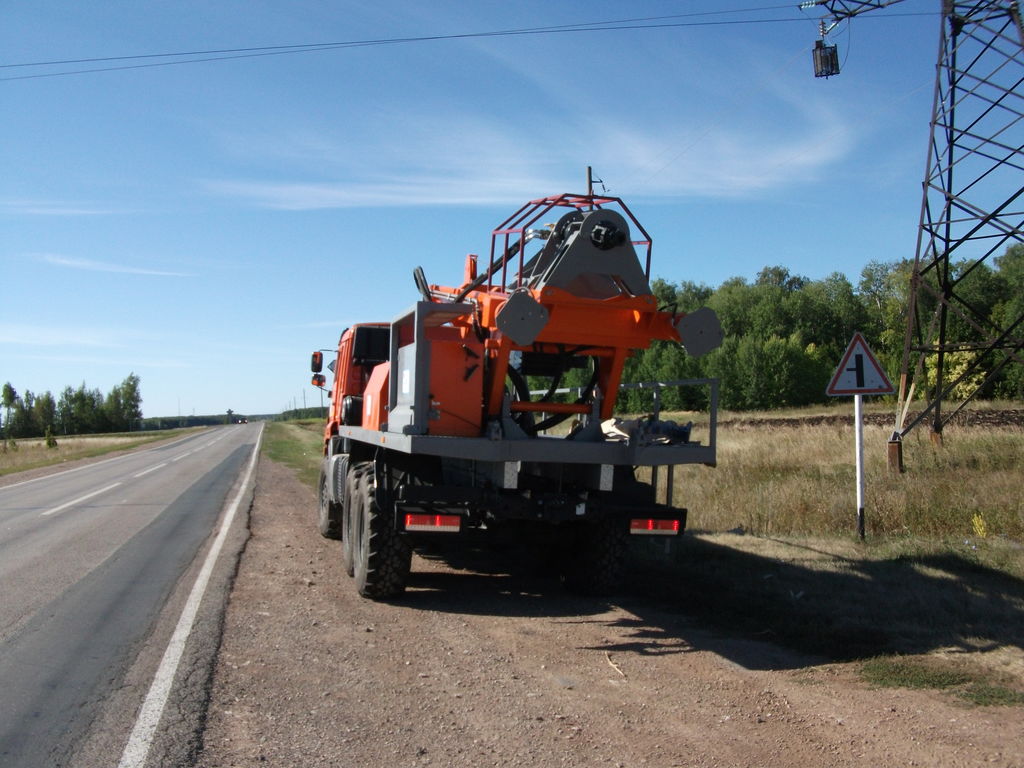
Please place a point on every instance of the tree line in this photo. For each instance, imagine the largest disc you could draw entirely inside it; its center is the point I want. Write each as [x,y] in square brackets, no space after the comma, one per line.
[75,412]
[785,334]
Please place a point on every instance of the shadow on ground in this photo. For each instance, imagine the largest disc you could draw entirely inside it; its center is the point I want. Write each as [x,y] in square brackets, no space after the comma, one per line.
[860,609]
[758,611]
[508,577]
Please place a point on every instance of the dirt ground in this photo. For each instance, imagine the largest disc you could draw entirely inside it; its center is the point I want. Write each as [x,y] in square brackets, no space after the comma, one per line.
[477,667]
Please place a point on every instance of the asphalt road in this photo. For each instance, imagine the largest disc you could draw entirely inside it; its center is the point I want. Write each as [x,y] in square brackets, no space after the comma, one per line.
[89,559]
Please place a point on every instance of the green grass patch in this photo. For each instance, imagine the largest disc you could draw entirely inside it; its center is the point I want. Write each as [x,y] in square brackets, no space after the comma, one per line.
[297,444]
[988,695]
[899,672]
[976,687]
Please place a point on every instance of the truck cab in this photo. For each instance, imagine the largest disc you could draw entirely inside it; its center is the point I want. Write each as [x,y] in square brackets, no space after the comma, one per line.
[361,348]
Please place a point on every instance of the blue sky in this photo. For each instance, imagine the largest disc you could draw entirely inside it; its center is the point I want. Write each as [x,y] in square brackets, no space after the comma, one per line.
[207,225]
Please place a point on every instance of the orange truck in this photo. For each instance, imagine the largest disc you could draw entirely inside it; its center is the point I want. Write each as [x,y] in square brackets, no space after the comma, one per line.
[450,420]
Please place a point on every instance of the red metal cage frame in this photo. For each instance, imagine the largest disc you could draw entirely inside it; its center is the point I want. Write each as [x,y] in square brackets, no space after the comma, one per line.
[529,213]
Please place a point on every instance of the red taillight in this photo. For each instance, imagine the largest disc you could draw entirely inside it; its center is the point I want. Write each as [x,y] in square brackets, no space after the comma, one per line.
[651,527]
[433,523]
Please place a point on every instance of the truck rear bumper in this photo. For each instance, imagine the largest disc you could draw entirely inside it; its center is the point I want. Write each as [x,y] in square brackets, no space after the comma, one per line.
[482,505]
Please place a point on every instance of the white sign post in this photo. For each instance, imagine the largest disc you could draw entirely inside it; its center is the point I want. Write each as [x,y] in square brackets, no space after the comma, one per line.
[859,374]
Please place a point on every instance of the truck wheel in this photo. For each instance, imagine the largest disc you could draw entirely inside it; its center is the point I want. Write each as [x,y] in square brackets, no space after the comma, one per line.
[350,512]
[328,513]
[594,557]
[382,556]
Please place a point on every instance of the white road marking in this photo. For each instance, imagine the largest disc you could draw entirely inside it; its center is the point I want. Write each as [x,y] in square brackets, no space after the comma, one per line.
[141,738]
[151,469]
[182,456]
[79,500]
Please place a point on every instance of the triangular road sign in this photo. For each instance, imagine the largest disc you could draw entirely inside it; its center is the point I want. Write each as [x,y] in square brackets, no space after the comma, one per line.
[859,373]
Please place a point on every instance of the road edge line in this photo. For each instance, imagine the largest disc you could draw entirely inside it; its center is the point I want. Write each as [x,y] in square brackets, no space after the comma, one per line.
[136,751]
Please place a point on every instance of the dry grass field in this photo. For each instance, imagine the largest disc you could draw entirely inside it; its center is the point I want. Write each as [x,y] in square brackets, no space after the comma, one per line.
[33,453]
[800,479]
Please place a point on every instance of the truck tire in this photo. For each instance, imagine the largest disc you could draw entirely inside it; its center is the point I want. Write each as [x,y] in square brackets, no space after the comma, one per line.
[382,556]
[328,513]
[594,556]
[350,512]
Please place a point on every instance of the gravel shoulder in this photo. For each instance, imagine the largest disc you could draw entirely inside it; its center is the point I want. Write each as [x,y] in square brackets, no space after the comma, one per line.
[480,664]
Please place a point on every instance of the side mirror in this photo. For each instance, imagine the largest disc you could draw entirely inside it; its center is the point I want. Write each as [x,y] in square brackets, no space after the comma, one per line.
[318,379]
[317,363]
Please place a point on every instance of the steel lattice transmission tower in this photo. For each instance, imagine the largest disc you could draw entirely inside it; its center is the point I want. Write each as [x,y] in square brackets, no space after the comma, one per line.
[972,207]
[972,210]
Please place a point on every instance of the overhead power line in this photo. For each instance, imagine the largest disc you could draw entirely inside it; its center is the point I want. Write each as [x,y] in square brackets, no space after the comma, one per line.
[303,47]
[146,61]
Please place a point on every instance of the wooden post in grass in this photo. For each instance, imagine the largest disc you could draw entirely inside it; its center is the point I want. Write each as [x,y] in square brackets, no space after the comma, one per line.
[859,374]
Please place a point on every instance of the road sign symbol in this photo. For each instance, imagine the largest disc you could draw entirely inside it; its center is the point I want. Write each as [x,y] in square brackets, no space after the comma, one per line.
[859,373]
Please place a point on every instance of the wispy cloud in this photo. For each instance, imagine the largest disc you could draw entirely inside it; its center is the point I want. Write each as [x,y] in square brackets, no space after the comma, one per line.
[75,345]
[57,336]
[426,189]
[90,265]
[117,362]
[489,163]
[729,164]
[54,208]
